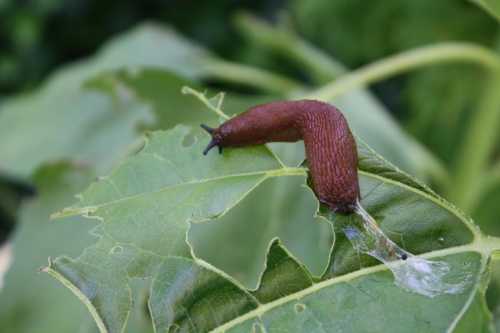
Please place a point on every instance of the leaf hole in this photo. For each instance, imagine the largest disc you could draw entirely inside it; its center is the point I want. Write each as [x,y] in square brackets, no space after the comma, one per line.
[242,226]
[258,328]
[299,307]
[196,134]
[189,139]
[173,328]
[117,249]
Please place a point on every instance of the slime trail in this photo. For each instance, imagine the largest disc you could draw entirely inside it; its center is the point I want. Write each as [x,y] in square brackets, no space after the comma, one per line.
[410,272]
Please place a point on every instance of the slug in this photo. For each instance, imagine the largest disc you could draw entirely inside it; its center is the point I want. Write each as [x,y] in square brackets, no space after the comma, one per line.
[330,146]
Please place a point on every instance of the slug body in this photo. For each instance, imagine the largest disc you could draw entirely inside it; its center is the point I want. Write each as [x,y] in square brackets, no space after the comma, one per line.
[330,146]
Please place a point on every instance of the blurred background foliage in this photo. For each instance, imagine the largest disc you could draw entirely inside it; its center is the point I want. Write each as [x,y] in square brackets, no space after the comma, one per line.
[81,80]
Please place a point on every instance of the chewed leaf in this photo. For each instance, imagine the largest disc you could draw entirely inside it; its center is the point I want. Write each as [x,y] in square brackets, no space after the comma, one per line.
[283,275]
[146,204]
[213,103]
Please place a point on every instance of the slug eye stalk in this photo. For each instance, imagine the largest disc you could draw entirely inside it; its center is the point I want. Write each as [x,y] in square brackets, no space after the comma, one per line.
[215,140]
[207,128]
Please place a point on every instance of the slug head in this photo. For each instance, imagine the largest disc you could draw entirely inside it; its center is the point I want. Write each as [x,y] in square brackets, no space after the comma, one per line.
[216,139]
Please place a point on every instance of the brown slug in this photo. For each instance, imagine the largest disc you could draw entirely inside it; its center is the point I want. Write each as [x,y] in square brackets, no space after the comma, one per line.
[330,146]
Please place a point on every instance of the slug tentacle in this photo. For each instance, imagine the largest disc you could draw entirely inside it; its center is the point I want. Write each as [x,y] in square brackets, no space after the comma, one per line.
[330,147]
[215,139]
[212,144]
[208,129]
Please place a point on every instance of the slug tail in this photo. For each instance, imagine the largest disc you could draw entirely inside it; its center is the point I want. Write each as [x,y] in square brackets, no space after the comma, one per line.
[207,128]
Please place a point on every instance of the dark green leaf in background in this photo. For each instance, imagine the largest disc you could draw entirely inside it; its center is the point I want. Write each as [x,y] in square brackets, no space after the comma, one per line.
[160,89]
[491,6]
[96,125]
[434,103]
[65,122]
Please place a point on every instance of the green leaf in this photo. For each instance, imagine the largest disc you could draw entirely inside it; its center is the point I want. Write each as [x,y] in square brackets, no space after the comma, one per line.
[477,318]
[64,122]
[145,205]
[31,302]
[160,90]
[411,214]
[368,301]
[490,6]
[88,126]
[283,275]
[279,207]
[166,183]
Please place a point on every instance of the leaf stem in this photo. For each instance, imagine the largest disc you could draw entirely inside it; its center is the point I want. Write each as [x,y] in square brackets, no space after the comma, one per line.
[479,141]
[494,176]
[249,76]
[321,66]
[406,61]
[213,103]
[287,171]
[487,8]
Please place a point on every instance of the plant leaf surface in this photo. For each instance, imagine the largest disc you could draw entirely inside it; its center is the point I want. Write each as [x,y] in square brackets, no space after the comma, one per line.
[147,201]
[165,183]
[66,122]
[31,302]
